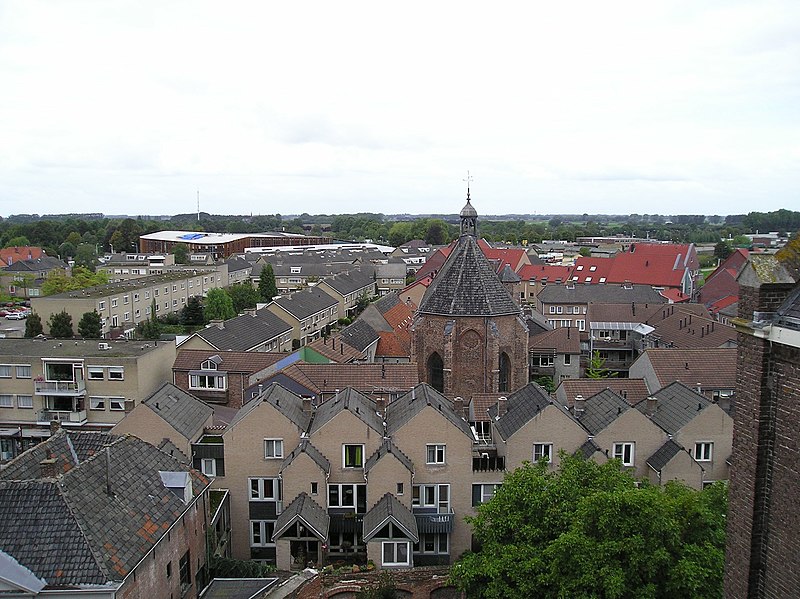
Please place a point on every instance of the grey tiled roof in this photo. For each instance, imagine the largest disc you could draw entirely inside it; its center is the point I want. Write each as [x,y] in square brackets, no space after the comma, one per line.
[236,263]
[404,408]
[67,450]
[663,455]
[182,411]
[588,449]
[36,264]
[283,400]
[521,406]
[245,332]
[359,335]
[509,276]
[307,448]
[307,511]
[467,285]
[388,447]
[387,302]
[601,410]
[350,282]
[389,509]
[788,314]
[306,302]
[348,399]
[677,406]
[239,588]
[600,294]
[174,451]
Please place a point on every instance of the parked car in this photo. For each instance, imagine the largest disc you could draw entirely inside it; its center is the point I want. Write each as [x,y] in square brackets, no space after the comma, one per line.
[16,316]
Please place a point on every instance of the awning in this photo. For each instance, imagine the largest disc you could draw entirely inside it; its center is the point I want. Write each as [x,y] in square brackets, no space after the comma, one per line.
[10,432]
[35,433]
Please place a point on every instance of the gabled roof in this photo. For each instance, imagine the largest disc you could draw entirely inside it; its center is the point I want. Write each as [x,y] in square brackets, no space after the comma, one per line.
[602,409]
[388,447]
[404,408]
[350,282]
[10,255]
[306,511]
[676,406]
[286,402]
[306,302]
[348,399]
[479,404]
[366,378]
[394,345]
[588,449]
[245,332]
[600,294]
[548,272]
[521,406]
[229,361]
[37,264]
[336,350]
[67,450]
[509,276]
[632,390]
[662,265]
[467,285]
[389,509]
[712,368]
[236,264]
[562,340]
[359,335]
[664,455]
[307,448]
[182,411]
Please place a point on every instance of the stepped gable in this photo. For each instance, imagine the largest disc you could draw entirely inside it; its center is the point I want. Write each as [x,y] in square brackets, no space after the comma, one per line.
[467,285]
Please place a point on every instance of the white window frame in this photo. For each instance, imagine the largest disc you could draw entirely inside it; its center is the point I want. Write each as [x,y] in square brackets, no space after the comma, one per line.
[6,400]
[704,451]
[97,403]
[341,494]
[487,491]
[276,451]
[541,450]
[620,449]
[395,545]
[208,466]
[441,543]
[344,455]
[116,404]
[435,454]
[5,371]
[260,529]
[17,368]
[24,405]
[113,371]
[202,382]
[421,497]
[257,488]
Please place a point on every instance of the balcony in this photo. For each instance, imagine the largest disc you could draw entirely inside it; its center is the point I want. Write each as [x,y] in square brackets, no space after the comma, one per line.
[490,463]
[434,521]
[65,417]
[63,388]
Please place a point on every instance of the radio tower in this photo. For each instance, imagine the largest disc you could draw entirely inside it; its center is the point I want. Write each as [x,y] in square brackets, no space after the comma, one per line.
[198,204]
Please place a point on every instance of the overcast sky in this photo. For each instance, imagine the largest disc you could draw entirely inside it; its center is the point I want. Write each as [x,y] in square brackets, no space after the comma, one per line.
[341,107]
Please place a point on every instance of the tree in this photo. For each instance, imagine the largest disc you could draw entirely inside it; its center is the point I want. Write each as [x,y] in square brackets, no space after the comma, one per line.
[86,256]
[266,283]
[181,254]
[66,250]
[89,326]
[18,241]
[150,328]
[243,296]
[219,305]
[57,280]
[61,325]
[33,326]
[436,233]
[588,531]
[192,312]
[597,367]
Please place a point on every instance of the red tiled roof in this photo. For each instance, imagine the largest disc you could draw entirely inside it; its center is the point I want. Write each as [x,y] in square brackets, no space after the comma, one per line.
[632,390]
[399,316]
[550,272]
[563,340]
[232,361]
[657,264]
[365,378]
[675,296]
[711,368]
[480,403]
[393,345]
[10,255]
[334,349]
[723,303]
[591,270]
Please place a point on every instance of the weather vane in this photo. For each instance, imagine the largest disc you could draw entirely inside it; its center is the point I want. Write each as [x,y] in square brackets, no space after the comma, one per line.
[468,180]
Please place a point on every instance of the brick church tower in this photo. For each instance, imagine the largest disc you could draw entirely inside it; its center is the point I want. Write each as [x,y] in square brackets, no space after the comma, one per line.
[468,333]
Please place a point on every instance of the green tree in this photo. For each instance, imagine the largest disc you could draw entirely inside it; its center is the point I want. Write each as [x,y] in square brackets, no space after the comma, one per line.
[61,325]
[57,280]
[586,530]
[18,241]
[86,256]
[219,305]
[181,254]
[89,326]
[436,233]
[66,250]
[243,296]
[266,283]
[597,367]
[33,326]
[722,250]
[150,328]
[192,312]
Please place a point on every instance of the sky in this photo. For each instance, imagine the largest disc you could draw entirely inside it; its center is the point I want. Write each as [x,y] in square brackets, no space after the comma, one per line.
[343,107]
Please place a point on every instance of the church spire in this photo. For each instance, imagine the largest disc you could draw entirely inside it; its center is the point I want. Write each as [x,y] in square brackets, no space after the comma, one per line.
[469,216]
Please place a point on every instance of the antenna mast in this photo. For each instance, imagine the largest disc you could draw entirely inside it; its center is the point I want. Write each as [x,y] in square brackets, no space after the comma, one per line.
[198,204]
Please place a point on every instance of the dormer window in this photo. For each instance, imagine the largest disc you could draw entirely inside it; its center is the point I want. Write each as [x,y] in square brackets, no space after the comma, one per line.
[209,365]
[295,270]
[592,268]
[579,267]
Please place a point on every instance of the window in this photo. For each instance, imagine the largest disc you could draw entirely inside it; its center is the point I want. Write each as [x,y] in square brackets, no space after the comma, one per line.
[208,381]
[703,450]
[432,542]
[437,496]
[185,569]
[208,365]
[114,303]
[174,288]
[127,316]
[97,403]
[273,449]
[5,371]
[353,456]
[483,492]
[348,495]
[169,569]
[581,325]
[6,401]
[116,373]
[25,401]
[435,454]
[101,306]
[559,309]
[136,297]
[266,489]
[567,359]
[208,466]
[624,452]
[399,489]
[314,487]
[125,299]
[543,451]
[146,295]
[116,403]
[395,553]
[23,372]
[545,360]
[261,532]
[552,309]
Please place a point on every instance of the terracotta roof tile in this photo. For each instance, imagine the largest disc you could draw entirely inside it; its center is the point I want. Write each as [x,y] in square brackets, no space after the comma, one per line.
[712,368]
[232,361]
[632,390]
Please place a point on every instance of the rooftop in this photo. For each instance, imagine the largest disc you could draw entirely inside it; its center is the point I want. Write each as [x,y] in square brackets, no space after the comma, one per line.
[63,348]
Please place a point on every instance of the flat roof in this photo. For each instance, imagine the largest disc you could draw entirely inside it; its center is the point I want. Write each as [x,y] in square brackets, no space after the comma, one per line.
[205,237]
[130,284]
[70,348]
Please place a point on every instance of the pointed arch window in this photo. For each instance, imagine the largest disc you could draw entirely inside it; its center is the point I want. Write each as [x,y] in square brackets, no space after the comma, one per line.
[436,372]
[505,373]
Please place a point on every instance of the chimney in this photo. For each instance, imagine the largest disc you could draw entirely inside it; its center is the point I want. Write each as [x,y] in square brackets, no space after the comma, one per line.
[307,405]
[220,324]
[633,308]
[55,426]
[652,405]
[579,406]
[250,311]
[381,406]
[700,388]
[686,365]
[458,406]
[502,406]
[47,468]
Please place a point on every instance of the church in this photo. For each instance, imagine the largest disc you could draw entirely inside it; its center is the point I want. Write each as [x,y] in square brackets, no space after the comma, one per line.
[469,335]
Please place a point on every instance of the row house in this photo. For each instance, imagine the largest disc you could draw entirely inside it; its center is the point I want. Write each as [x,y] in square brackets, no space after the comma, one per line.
[24,278]
[124,305]
[80,384]
[254,331]
[348,288]
[239,271]
[294,271]
[309,312]
[535,277]
[632,390]
[555,354]
[125,265]
[390,277]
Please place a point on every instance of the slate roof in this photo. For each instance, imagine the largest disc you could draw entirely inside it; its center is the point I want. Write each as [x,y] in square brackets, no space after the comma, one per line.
[79,534]
[306,302]
[286,402]
[359,334]
[387,302]
[389,509]
[588,449]
[348,399]
[350,282]
[467,285]
[307,448]
[788,315]
[236,264]
[388,447]
[677,406]
[245,332]
[712,368]
[605,294]
[521,406]
[45,263]
[664,455]
[173,450]
[307,511]
[509,276]
[336,350]
[67,450]
[230,361]
[632,390]
[239,588]
[601,410]
[182,411]
[404,408]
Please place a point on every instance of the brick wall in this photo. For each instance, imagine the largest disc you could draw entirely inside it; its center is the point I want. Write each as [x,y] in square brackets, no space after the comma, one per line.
[419,583]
